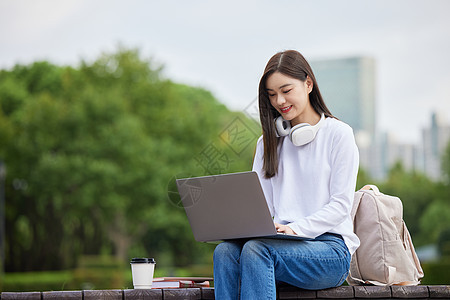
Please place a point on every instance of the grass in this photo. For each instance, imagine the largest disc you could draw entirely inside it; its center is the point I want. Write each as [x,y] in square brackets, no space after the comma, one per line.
[36,281]
[87,278]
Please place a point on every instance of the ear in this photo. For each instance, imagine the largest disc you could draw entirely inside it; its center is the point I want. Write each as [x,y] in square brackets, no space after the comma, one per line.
[309,84]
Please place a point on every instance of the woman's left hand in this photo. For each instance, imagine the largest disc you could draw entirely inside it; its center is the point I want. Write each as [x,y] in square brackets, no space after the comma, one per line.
[284,228]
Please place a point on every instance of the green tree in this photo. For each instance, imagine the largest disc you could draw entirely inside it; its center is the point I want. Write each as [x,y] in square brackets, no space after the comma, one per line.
[416,191]
[90,153]
[435,222]
[445,166]
[436,218]
[363,179]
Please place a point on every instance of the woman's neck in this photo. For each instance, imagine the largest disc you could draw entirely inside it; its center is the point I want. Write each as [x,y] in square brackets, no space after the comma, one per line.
[311,118]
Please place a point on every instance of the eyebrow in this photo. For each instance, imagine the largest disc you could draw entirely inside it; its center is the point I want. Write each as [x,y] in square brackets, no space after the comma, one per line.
[284,85]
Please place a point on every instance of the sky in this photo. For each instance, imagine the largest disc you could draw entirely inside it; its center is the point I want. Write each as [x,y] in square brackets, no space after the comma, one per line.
[224,46]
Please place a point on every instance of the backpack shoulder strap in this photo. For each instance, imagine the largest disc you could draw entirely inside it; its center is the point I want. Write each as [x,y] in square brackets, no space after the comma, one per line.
[357,200]
[372,187]
[354,272]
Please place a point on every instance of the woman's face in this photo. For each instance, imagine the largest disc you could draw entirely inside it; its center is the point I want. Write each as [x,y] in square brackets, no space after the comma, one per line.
[290,97]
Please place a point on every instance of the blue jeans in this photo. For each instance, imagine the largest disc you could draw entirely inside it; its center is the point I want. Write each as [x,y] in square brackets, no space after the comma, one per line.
[251,268]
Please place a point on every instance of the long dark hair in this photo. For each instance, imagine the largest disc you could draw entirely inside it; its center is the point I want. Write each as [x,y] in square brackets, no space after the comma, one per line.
[290,63]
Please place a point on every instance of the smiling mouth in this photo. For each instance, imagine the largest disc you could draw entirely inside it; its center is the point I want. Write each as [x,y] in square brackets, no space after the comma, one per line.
[286,109]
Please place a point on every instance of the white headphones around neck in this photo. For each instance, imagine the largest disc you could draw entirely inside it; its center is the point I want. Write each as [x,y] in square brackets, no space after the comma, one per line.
[300,134]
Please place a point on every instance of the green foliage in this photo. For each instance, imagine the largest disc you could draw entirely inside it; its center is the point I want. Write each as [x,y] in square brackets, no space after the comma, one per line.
[435,221]
[37,281]
[103,273]
[90,152]
[12,92]
[436,272]
[445,166]
[444,241]
[363,179]
[416,192]
[98,272]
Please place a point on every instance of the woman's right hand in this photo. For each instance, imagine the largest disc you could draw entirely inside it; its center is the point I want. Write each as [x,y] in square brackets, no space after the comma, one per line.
[284,229]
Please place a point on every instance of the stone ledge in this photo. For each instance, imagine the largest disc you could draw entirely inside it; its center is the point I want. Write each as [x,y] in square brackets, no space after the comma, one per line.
[284,292]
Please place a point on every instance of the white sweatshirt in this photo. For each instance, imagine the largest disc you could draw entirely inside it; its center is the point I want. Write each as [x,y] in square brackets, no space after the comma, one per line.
[315,184]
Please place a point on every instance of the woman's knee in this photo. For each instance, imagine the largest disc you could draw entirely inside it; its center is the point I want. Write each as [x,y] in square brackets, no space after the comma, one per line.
[254,249]
[227,250]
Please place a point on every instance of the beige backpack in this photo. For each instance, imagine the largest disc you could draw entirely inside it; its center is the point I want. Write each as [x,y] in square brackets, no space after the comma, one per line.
[386,255]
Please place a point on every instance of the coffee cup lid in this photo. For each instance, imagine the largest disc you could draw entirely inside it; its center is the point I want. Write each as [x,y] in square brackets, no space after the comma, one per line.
[143,260]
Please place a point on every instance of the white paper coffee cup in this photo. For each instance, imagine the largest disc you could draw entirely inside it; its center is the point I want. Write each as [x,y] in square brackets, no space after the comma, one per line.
[142,271]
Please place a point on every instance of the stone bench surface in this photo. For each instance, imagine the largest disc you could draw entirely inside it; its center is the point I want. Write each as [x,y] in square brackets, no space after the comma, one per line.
[284,292]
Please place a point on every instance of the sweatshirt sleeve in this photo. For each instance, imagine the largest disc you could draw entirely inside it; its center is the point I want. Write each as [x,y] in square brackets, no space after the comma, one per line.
[266,184]
[344,161]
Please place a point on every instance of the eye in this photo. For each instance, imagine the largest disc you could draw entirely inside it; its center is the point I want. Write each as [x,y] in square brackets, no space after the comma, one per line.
[287,91]
[271,95]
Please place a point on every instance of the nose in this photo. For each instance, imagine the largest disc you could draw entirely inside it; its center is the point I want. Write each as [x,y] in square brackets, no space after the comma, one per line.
[281,100]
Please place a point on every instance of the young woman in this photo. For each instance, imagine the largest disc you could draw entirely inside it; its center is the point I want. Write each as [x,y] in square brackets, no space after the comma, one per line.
[308,175]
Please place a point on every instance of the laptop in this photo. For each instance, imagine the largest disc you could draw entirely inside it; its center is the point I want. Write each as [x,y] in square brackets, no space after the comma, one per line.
[227,206]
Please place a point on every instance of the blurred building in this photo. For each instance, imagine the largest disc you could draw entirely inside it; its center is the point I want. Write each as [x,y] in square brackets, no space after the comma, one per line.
[391,151]
[348,88]
[435,140]
[425,157]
